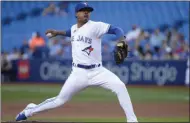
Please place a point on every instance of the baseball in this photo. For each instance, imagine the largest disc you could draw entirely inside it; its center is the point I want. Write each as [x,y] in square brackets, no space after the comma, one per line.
[49,35]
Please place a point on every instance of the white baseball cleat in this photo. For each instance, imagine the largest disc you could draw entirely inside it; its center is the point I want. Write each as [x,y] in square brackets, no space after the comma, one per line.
[132,121]
[21,116]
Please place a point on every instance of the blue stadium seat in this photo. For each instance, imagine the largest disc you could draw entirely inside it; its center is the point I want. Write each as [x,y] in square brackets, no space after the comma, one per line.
[148,15]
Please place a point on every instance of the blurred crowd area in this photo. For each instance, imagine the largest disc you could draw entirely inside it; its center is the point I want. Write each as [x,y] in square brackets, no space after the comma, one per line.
[166,43]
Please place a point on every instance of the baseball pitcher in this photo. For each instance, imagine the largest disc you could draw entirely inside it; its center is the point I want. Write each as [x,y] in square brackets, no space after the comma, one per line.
[87,69]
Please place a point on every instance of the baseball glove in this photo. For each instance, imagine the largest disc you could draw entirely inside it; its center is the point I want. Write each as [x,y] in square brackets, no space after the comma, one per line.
[120,52]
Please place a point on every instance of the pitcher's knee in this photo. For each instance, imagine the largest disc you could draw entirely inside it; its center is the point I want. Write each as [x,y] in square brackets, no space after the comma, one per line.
[58,101]
[61,99]
[120,87]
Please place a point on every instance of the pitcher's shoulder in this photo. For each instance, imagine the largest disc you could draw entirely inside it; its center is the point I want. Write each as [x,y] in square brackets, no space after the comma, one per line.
[96,23]
[73,26]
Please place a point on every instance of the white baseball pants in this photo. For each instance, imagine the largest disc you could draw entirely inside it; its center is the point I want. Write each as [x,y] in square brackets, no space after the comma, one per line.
[80,79]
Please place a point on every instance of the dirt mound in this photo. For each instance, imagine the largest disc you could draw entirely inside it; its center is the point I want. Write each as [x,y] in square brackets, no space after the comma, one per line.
[99,110]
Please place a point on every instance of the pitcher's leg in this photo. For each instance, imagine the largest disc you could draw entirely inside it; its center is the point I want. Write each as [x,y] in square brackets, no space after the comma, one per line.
[187,77]
[124,99]
[73,85]
[38,108]
[110,81]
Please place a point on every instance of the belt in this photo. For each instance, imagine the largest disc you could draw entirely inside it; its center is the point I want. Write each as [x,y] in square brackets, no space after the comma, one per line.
[86,66]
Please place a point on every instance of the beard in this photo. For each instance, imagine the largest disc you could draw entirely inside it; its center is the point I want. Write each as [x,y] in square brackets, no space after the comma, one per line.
[83,19]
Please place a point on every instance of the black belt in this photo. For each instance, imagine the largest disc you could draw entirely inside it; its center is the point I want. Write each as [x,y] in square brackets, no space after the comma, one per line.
[86,66]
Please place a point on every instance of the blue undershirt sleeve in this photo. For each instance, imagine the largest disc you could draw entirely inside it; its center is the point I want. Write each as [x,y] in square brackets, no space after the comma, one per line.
[68,33]
[117,31]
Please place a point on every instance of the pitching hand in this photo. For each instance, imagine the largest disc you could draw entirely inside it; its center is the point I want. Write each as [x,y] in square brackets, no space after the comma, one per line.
[51,33]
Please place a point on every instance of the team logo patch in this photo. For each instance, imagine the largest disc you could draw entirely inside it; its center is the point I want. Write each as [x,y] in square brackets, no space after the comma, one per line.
[88,50]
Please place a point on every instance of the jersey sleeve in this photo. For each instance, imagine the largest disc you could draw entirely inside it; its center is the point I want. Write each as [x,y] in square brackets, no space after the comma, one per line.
[101,28]
[68,33]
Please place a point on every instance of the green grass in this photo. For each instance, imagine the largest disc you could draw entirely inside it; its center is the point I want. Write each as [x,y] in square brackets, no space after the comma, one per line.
[37,93]
[140,119]
[18,93]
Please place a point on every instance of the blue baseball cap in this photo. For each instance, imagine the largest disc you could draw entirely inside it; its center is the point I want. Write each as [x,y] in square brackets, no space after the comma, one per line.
[83,6]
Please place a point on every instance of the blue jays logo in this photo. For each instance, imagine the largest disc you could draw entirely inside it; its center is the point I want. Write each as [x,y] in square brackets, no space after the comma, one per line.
[88,50]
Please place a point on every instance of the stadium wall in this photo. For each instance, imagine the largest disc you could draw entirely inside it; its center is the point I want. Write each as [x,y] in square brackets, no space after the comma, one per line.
[130,72]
